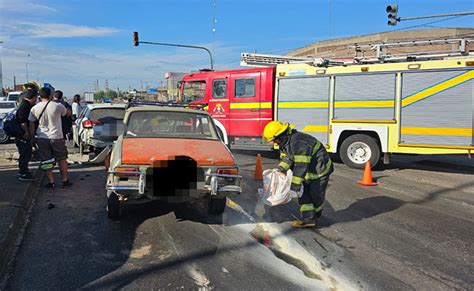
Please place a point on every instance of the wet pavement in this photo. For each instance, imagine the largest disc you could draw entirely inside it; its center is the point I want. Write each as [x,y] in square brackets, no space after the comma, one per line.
[414,230]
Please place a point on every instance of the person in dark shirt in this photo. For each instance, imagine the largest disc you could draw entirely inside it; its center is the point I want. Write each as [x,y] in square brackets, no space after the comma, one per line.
[23,144]
[66,121]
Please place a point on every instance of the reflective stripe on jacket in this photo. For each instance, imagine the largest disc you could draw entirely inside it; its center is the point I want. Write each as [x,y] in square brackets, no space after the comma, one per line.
[306,157]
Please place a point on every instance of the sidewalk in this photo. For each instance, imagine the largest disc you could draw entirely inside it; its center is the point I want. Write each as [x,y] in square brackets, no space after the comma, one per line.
[16,198]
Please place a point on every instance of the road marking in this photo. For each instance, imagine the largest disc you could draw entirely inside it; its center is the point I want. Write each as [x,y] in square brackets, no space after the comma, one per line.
[232,204]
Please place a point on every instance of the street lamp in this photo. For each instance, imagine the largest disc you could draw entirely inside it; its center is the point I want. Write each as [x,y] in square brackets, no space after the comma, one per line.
[27,78]
[136,42]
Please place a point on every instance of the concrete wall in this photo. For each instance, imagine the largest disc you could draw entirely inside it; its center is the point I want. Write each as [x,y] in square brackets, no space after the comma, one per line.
[339,48]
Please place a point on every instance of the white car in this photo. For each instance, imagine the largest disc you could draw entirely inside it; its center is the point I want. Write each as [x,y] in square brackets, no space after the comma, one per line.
[5,108]
[98,126]
[13,96]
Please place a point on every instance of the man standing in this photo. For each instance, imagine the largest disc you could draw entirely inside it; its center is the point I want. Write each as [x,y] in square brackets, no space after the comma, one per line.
[23,143]
[66,121]
[311,166]
[51,145]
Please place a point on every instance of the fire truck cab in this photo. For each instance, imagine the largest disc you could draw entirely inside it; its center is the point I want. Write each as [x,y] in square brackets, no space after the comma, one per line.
[240,99]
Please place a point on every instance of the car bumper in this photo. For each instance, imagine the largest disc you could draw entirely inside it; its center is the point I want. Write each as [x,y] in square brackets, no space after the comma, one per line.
[215,185]
[97,143]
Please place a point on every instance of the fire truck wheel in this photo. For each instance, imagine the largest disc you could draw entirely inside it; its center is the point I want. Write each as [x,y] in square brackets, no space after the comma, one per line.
[217,205]
[357,149]
[114,209]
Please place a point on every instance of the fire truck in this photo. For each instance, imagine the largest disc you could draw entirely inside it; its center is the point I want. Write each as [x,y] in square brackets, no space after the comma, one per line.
[363,110]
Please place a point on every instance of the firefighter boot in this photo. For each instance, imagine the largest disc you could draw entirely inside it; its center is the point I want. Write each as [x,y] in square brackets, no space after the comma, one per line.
[307,215]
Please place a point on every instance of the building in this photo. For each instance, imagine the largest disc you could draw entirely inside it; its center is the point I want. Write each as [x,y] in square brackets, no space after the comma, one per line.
[172,79]
[344,48]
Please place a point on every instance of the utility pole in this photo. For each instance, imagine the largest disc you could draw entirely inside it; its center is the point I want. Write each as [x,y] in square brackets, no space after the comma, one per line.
[136,42]
[27,78]
[1,68]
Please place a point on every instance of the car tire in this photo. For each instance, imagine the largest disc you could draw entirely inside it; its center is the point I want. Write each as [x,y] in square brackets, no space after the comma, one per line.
[357,149]
[4,138]
[114,207]
[216,205]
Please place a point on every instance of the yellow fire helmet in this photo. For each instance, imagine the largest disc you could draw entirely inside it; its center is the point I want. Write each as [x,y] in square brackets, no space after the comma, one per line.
[273,129]
[31,85]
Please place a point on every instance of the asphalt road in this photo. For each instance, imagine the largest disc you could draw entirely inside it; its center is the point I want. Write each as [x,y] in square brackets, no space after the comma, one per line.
[413,231]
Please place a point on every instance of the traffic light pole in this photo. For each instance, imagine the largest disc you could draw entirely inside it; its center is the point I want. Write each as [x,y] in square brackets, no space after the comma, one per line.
[437,15]
[182,45]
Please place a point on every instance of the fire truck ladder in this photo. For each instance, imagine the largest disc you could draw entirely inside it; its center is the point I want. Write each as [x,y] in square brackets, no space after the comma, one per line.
[381,49]
[382,54]
[263,60]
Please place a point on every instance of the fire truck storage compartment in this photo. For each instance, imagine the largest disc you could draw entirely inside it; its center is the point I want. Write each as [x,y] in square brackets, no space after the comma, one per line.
[365,96]
[304,101]
[437,108]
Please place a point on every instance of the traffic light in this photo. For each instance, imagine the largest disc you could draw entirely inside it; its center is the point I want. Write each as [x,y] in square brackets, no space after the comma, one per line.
[135,38]
[392,14]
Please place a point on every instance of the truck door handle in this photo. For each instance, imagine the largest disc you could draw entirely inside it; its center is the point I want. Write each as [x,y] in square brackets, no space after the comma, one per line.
[254,109]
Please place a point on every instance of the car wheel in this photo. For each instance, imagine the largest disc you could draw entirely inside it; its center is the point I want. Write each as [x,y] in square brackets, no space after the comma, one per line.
[217,205]
[4,138]
[114,208]
[358,149]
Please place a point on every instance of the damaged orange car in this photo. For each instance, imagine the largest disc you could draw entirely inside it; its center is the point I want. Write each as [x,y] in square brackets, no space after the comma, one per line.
[170,154]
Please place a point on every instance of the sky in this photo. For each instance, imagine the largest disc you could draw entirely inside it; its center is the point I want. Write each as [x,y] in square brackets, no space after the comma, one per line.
[73,43]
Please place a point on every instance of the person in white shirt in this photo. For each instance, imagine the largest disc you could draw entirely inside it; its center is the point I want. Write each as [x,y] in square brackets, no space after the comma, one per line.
[76,107]
[46,117]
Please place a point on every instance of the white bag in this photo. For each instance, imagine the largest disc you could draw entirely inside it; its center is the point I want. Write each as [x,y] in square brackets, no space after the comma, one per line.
[276,187]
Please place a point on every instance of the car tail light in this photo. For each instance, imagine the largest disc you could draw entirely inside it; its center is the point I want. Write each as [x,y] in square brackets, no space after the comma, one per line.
[90,123]
[230,171]
[127,172]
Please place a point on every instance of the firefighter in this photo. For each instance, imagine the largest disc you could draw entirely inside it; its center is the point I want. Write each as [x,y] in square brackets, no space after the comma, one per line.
[307,158]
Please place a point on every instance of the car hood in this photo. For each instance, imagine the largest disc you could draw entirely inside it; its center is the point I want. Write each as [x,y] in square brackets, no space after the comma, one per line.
[140,151]
[2,111]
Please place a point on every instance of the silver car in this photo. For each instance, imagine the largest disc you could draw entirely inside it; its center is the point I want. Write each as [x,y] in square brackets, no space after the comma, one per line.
[97,127]
[5,108]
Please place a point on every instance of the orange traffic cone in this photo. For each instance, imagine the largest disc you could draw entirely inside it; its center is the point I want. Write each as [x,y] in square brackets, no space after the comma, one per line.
[367,178]
[258,175]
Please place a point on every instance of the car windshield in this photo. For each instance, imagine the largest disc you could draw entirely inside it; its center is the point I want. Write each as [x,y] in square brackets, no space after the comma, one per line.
[7,105]
[194,90]
[170,124]
[13,97]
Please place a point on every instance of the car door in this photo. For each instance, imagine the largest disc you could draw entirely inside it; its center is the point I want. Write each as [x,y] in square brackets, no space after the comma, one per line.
[219,101]
[245,104]
[77,128]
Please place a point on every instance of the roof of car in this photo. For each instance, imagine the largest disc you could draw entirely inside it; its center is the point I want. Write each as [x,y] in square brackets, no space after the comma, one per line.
[4,101]
[105,105]
[165,108]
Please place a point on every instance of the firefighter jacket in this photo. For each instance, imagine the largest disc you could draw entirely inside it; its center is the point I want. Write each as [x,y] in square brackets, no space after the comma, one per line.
[306,157]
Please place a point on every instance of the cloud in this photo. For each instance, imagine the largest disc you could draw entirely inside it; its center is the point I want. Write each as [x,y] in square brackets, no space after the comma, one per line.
[57,30]
[22,6]
[75,70]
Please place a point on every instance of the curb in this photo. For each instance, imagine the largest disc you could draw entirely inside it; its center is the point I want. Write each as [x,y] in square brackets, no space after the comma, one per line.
[17,227]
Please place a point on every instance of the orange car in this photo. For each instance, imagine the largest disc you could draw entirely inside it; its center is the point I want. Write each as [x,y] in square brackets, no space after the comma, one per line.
[170,154]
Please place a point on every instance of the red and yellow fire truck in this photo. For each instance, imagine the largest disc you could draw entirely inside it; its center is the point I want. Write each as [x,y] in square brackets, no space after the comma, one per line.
[362,112]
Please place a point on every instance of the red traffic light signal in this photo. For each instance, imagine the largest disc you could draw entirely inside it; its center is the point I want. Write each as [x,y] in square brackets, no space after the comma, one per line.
[135,38]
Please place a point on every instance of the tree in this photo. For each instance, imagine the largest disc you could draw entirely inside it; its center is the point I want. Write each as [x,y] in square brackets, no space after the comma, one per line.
[103,94]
